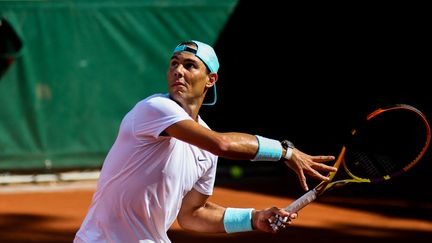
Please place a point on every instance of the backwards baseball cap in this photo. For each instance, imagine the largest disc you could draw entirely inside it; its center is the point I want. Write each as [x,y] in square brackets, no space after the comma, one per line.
[203,51]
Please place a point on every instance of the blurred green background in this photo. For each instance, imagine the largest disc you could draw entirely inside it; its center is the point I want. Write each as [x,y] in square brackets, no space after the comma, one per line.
[299,71]
[81,67]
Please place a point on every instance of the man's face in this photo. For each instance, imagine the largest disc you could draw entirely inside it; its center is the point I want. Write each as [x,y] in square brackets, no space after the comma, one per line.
[187,77]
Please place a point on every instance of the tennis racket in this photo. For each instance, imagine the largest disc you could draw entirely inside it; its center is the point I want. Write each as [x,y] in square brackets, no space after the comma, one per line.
[388,143]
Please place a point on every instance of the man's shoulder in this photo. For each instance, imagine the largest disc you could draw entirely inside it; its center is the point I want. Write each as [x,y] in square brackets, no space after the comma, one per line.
[157,102]
[156,97]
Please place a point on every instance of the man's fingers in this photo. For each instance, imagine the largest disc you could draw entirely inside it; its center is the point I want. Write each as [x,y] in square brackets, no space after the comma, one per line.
[315,174]
[323,158]
[324,167]
[302,179]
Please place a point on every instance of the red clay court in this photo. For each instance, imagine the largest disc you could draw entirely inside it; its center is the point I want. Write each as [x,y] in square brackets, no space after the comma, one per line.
[53,213]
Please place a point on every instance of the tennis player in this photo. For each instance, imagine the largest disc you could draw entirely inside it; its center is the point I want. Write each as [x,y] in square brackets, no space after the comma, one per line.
[162,165]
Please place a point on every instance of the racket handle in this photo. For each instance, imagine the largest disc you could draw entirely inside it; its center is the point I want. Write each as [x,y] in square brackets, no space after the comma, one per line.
[294,207]
[301,202]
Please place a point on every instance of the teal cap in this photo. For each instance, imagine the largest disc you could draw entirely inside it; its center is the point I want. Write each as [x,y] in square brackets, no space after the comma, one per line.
[204,52]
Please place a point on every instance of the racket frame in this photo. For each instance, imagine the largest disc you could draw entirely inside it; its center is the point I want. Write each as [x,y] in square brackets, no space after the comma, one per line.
[324,186]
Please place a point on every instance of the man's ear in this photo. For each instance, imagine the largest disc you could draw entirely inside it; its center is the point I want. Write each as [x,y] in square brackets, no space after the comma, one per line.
[213,77]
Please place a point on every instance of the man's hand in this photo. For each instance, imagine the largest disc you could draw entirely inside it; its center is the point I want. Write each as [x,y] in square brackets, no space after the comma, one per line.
[303,164]
[261,219]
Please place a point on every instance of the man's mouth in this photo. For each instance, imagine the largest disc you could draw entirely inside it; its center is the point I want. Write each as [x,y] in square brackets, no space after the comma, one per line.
[178,83]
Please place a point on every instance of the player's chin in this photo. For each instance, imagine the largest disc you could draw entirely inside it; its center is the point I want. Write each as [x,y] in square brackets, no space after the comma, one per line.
[177,94]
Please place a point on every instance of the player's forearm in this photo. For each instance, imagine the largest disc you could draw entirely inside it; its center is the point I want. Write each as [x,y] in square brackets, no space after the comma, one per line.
[208,218]
[232,145]
[237,146]
[246,146]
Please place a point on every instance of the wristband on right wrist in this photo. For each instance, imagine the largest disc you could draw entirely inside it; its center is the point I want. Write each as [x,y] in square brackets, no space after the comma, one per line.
[238,220]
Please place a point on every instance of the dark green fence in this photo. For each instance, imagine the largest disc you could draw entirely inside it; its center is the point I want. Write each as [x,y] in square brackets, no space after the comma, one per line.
[82,65]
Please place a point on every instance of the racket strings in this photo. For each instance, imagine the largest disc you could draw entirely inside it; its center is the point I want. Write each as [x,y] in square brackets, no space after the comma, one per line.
[370,165]
[387,144]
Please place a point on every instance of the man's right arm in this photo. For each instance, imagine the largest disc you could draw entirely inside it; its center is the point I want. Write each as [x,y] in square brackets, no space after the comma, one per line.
[232,145]
[243,146]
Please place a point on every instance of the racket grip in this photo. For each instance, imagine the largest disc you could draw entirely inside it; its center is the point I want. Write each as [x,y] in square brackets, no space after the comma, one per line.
[301,202]
[294,207]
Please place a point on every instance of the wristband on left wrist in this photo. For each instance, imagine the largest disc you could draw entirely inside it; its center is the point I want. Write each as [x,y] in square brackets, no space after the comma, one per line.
[268,149]
[288,146]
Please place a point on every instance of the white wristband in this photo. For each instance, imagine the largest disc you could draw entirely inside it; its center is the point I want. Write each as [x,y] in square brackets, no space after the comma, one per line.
[288,153]
[288,146]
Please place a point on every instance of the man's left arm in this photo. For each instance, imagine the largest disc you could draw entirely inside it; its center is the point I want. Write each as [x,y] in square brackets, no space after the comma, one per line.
[197,214]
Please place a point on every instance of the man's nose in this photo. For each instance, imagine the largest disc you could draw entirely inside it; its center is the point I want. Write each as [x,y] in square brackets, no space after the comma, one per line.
[178,71]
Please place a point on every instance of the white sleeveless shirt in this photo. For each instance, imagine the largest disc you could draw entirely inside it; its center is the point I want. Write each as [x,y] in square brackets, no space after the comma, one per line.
[145,177]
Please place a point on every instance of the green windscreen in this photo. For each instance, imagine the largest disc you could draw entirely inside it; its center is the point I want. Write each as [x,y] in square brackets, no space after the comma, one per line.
[82,66]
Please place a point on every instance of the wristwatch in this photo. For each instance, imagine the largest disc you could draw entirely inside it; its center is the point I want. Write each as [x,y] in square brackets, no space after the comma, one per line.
[288,146]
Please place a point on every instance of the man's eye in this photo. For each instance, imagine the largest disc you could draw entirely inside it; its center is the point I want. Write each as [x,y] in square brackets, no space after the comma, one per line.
[189,66]
[174,64]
